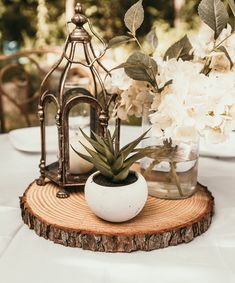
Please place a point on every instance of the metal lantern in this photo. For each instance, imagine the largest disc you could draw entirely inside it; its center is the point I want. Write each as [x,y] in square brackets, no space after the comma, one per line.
[64,99]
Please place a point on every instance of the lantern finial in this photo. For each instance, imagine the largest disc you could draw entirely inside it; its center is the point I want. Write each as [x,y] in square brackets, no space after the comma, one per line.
[78,8]
[79,19]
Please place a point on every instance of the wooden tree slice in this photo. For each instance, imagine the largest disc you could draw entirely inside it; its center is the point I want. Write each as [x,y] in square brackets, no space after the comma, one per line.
[161,223]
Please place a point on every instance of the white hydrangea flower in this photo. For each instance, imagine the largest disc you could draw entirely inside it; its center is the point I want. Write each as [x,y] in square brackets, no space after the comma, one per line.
[118,82]
[133,99]
[204,44]
[191,106]
[194,104]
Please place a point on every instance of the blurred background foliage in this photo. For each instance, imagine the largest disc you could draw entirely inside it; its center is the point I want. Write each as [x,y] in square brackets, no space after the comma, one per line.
[36,23]
[41,24]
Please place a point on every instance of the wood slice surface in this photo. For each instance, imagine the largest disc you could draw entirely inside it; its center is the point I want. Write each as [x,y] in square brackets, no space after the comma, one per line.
[160,224]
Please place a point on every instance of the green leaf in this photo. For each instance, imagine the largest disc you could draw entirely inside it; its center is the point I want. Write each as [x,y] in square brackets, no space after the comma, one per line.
[118,40]
[96,157]
[129,66]
[106,148]
[86,157]
[110,142]
[132,159]
[104,171]
[134,17]
[95,144]
[121,176]
[127,149]
[152,39]
[142,68]
[101,141]
[180,49]
[214,14]
[101,166]
[98,167]
[109,155]
[232,6]
[117,165]
[224,50]
[115,134]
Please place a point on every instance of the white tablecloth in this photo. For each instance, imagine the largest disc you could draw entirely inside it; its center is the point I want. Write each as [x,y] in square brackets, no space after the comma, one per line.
[27,258]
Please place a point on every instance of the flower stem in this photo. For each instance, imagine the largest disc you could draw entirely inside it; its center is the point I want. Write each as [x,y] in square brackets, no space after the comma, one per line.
[176,178]
[137,41]
[217,45]
[150,167]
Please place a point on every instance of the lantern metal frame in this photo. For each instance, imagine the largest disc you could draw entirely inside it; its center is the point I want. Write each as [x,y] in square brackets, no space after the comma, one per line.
[99,101]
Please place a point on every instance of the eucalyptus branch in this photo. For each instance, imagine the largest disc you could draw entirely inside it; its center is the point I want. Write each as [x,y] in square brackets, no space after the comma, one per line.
[137,41]
[150,167]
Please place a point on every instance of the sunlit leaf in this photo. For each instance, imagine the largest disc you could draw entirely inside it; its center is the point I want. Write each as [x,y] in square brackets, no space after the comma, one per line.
[134,17]
[118,40]
[146,68]
[214,14]
[152,39]
[180,49]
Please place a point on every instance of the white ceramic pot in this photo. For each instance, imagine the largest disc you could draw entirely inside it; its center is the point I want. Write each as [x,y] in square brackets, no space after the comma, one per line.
[116,204]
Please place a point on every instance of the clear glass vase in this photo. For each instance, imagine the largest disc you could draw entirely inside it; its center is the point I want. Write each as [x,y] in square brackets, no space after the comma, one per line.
[171,171]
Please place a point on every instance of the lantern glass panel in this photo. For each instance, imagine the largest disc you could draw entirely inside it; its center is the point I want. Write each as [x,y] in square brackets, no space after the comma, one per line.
[79,118]
[51,135]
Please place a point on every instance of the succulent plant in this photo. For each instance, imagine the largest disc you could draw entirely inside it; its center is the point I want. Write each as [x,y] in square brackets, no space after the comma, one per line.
[113,163]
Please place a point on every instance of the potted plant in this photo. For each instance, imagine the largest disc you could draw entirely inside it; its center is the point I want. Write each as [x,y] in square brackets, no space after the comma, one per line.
[115,193]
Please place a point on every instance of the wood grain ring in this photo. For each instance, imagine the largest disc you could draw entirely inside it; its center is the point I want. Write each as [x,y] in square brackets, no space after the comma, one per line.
[161,223]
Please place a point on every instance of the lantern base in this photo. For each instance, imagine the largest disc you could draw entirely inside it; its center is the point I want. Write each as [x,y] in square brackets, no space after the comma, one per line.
[72,180]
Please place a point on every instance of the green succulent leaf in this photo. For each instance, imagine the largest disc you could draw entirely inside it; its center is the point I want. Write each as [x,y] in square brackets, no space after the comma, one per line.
[132,159]
[99,139]
[113,166]
[121,176]
[180,49]
[107,173]
[118,40]
[84,156]
[95,144]
[101,166]
[214,14]
[110,141]
[127,149]
[97,158]
[115,134]
[134,17]
[118,164]
[109,155]
[103,142]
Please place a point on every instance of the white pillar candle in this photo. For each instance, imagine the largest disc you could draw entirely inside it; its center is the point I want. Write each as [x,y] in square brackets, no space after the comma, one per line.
[77,164]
